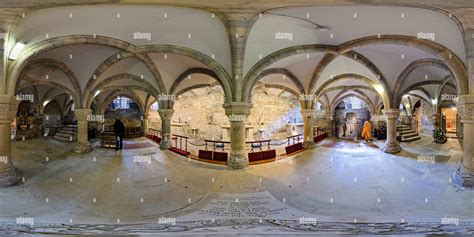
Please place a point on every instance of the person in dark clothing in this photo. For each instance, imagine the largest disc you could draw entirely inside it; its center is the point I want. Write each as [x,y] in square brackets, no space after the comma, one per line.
[119,130]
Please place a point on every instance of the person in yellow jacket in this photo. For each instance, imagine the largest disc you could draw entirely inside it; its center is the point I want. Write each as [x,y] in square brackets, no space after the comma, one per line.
[366,131]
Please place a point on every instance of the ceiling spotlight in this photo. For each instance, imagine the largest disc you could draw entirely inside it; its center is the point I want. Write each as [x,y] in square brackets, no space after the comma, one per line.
[16,51]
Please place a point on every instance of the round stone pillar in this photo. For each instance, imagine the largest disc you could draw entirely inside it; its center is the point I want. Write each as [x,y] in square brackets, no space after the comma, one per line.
[165,115]
[237,113]
[82,145]
[391,144]
[8,108]
[464,175]
[330,124]
[145,124]
[308,136]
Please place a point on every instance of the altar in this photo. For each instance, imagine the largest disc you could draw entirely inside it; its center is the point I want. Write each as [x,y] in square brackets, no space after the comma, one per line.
[226,132]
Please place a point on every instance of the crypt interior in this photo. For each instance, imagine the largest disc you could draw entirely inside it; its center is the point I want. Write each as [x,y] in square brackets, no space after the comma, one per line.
[239,117]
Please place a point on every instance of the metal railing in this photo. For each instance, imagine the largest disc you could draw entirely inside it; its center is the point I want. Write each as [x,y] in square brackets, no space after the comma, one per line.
[180,139]
[215,144]
[259,144]
[294,139]
[155,132]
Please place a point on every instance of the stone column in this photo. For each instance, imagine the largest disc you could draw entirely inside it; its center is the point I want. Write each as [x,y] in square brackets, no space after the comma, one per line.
[145,124]
[308,136]
[391,144]
[8,173]
[464,175]
[165,115]
[330,124]
[83,145]
[237,113]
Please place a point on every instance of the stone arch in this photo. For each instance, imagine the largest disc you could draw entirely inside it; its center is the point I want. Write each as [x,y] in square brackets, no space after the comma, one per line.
[364,61]
[112,60]
[454,63]
[107,88]
[127,93]
[411,67]
[286,73]
[372,84]
[128,76]
[221,74]
[15,68]
[189,72]
[53,84]
[341,98]
[57,64]
[419,86]
[268,60]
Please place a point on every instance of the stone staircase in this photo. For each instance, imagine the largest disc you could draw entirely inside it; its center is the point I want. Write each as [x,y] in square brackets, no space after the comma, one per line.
[66,134]
[407,134]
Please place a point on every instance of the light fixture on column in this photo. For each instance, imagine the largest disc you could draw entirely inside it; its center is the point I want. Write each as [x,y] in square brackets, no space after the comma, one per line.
[16,51]
[379,88]
[434,101]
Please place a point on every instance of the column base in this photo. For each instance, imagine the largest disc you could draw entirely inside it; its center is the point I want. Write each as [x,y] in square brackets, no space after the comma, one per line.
[238,162]
[392,148]
[9,177]
[165,144]
[82,148]
[309,144]
[463,177]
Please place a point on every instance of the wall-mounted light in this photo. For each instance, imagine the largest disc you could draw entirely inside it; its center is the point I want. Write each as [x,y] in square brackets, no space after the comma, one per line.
[379,89]
[96,93]
[16,51]
[434,101]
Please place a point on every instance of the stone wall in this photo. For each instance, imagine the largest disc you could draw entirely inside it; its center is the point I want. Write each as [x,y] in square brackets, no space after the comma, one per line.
[269,115]
[425,118]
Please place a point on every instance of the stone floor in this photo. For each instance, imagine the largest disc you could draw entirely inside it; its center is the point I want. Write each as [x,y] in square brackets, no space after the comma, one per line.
[339,181]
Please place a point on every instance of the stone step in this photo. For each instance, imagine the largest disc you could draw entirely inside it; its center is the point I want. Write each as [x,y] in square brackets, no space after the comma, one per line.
[407,132]
[411,139]
[64,139]
[409,135]
[72,129]
[66,136]
[404,129]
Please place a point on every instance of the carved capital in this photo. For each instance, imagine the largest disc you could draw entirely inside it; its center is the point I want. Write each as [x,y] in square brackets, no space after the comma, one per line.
[465,107]
[165,114]
[8,108]
[237,108]
[82,114]
[391,113]
[308,113]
